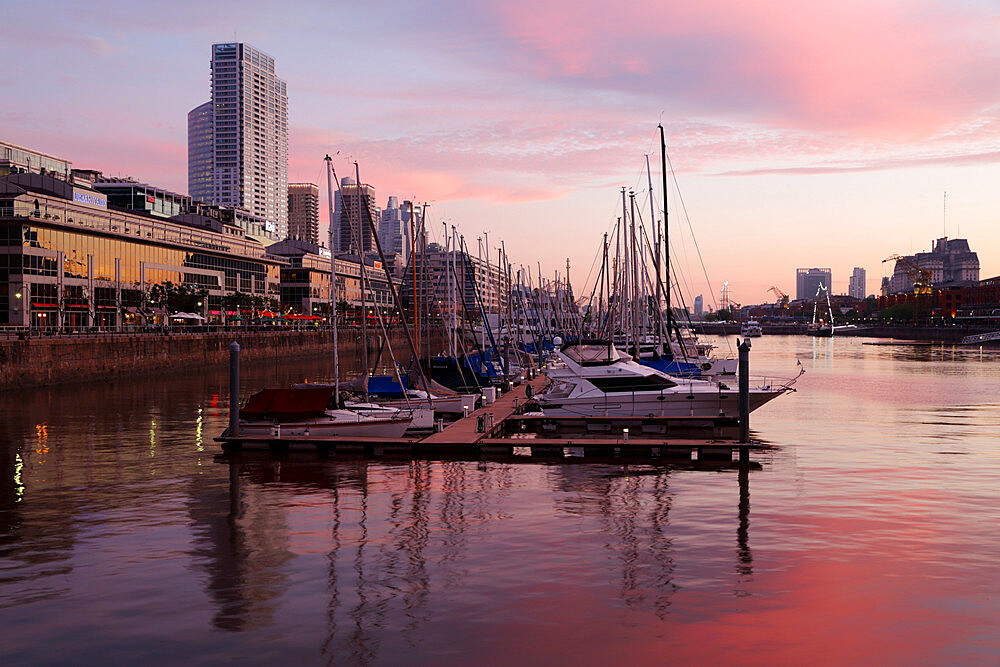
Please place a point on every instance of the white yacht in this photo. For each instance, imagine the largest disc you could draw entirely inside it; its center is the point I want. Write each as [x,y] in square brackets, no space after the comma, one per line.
[751,329]
[306,412]
[593,379]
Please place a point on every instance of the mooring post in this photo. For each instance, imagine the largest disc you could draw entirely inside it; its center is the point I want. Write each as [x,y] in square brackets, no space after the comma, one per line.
[234,389]
[744,382]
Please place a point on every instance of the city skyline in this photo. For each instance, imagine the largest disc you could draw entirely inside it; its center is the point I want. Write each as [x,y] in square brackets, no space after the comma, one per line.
[813,136]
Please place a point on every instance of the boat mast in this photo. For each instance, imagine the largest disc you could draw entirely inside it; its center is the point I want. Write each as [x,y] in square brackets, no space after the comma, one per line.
[333,285]
[361,263]
[666,231]
[656,258]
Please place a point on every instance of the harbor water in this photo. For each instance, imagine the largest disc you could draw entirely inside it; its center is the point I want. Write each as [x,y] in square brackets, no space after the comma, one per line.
[867,533]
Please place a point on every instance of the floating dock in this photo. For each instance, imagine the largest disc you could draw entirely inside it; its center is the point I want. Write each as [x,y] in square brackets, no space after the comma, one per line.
[500,429]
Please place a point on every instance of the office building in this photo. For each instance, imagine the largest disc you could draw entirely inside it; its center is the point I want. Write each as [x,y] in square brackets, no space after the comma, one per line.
[303,212]
[699,307]
[857,286]
[249,119]
[201,156]
[808,282]
[354,213]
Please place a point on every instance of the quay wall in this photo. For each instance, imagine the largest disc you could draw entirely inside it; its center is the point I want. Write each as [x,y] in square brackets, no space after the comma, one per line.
[951,334]
[39,362]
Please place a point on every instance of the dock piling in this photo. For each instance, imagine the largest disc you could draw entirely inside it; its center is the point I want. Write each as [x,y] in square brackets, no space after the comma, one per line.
[744,387]
[234,389]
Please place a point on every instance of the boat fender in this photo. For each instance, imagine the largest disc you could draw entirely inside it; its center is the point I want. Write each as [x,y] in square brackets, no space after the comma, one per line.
[706,367]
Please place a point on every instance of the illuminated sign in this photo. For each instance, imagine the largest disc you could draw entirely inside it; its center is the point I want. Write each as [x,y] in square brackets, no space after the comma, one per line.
[90,198]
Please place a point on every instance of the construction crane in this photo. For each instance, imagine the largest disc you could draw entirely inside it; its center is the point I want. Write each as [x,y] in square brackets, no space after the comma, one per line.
[919,278]
[782,297]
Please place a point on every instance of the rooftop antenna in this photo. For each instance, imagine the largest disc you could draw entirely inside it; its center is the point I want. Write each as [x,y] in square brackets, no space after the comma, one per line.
[944,214]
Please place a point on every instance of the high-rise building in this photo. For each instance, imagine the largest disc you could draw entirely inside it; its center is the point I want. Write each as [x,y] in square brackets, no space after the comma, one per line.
[391,234]
[354,211]
[699,307]
[808,281]
[857,287]
[201,156]
[303,212]
[249,134]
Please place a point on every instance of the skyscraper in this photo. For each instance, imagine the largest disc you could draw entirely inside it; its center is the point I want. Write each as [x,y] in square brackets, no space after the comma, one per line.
[201,130]
[699,307]
[347,210]
[807,281]
[249,134]
[303,212]
[857,287]
[390,229]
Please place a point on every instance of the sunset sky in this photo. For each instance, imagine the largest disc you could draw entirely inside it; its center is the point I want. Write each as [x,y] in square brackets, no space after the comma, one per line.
[802,133]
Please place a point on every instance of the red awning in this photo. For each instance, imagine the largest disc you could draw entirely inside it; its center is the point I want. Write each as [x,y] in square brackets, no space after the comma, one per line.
[303,317]
[44,305]
[287,403]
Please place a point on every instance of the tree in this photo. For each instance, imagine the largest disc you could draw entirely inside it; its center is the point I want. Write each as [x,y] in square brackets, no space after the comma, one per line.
[177,298]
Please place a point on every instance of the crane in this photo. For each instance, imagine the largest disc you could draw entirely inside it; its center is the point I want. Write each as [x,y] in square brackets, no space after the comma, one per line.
[919,278]
[782,297]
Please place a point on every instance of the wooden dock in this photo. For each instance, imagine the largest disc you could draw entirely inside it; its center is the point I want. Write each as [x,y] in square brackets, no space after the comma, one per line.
[500,430]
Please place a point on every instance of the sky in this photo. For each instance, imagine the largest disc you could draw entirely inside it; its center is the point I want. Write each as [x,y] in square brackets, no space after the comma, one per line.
[805,134]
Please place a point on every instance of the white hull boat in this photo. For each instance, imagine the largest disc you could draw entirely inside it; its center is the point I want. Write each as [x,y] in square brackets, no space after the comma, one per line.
[596,380]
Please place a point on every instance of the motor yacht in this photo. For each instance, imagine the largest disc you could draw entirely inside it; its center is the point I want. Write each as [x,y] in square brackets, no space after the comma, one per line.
[592,378]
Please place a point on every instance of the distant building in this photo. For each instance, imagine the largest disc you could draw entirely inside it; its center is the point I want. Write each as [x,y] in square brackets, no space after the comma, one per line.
[949,261]
[390,231]
[808,281]
[354,211]
[303,212]
[249,117]
[201,157]
[858,286]
[699,307]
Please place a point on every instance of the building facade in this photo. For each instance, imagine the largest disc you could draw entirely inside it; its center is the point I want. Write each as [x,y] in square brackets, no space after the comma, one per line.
[201,155]
[808,282]
[69,259]
[354,213]
[303,212]
[249,134]
[858,285]
[18,159]
[390,231]
[949,261]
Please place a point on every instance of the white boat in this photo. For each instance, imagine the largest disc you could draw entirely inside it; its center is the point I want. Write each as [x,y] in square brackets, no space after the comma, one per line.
[594,379]
[421,418]
[751,329]
[979,339]
[306,412]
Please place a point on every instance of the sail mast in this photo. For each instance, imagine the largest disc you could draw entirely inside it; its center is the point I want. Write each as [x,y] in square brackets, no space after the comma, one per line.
[666,230]
[333,286]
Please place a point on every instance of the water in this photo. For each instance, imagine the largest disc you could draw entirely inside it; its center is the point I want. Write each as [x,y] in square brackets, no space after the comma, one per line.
[868,534]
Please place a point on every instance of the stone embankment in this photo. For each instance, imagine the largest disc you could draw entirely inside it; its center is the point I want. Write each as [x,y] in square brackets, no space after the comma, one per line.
[39,362]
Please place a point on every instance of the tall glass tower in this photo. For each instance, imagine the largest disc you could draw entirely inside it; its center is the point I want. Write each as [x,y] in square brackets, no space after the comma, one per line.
[249,134]
[201,146]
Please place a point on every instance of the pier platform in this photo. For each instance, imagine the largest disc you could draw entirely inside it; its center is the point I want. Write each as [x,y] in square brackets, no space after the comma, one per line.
[501,430]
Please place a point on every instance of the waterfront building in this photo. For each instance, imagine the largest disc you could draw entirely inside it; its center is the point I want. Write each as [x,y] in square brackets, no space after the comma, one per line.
[808,281]
[303,212]
[857,287]
[354,209]
[949,261]
[69,258]
[305,279]
[249,134]
[201,152]
[434,287]
[131,195]
[18,159]
[699,307]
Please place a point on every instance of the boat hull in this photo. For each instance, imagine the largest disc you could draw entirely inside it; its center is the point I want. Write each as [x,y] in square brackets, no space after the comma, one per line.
[722,404]
[392,427]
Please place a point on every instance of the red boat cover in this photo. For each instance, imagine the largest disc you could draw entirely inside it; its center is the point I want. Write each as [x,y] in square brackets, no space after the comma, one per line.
[287,403]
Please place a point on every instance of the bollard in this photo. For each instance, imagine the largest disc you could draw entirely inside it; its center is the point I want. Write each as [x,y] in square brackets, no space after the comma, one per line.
[440,424]
[489,418]
[480,424]
[624,436]
[234,390]
[465,410]
[744,386]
